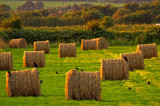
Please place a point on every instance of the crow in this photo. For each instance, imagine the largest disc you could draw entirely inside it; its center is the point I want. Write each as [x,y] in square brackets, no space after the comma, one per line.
[77,68]
[81,70]
[149,83]
[57,72]
[125,58]
[40,81]
[9,73]
[35,65]
[129,88]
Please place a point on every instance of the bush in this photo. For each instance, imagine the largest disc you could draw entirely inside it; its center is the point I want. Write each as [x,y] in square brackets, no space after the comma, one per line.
[13,22]
[149,34]
[106,22]
[93,25]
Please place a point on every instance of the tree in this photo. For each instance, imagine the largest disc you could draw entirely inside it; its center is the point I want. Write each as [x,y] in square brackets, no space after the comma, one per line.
[93,14]
[13,22]
[4,7]
[121,12]
[27,6]
[39,5]
[107,10]
[138,17]
[93,25]
[106,22]
[132,6]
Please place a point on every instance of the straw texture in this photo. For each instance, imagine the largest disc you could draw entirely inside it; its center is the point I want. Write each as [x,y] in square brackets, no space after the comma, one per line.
[33,56]
[23,83]
[67,50]
[18,43]
[93,44]
[82,85]
[148,50]
[6,62]
[135,60]
[114,69]
[42,45]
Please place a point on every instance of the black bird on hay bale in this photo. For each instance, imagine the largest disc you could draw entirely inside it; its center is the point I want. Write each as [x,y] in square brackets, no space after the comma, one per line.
[129,88]
[9,73]
[125,58]
[57,72]
[149,83]
[35,65]
[77,68]
[40,81]
[81,70]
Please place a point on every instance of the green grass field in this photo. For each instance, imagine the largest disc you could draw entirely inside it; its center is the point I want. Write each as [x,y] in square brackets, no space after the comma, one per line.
[113,92]
[49,4]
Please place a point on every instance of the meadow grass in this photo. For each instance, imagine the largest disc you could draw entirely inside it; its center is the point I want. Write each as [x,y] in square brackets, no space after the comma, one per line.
[113,92]
[55,4]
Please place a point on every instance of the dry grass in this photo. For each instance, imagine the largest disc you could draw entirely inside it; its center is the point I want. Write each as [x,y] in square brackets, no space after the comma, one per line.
[23,83]
[83,85]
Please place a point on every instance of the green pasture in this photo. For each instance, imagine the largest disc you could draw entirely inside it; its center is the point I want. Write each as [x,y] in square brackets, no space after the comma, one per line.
[113,92]
[50,4]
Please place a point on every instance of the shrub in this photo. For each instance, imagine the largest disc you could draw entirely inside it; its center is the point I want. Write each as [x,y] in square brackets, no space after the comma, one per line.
[106,22]
[13,22]
[93,25]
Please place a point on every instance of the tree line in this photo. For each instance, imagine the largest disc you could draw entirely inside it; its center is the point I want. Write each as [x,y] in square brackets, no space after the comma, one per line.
[34,14]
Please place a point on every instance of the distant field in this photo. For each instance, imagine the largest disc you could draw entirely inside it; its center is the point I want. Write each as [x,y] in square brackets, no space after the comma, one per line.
[48,4]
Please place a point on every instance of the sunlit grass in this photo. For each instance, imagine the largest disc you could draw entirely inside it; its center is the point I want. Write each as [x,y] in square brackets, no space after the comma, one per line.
[113,92]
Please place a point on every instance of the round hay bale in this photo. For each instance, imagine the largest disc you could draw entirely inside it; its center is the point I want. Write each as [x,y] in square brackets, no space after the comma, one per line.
[93,44]
[23,83]
[135,60]
[89,44]
[33,56]
[102,43]
[82,85]
[114,69]
[6,62]
[42,45]
[148,50]
[67,50]
[18,43]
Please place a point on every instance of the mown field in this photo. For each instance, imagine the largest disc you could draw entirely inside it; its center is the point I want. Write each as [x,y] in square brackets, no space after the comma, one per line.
[113,92]
[50,4]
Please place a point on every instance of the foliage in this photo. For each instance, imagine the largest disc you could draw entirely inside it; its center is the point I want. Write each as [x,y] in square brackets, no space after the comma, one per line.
[132,6]
[39,5]
[121,12]
[124,34]
[139,17]
[13,22]
[106,22]
[27,6]
[4,8]
[92,14]
[93,25]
